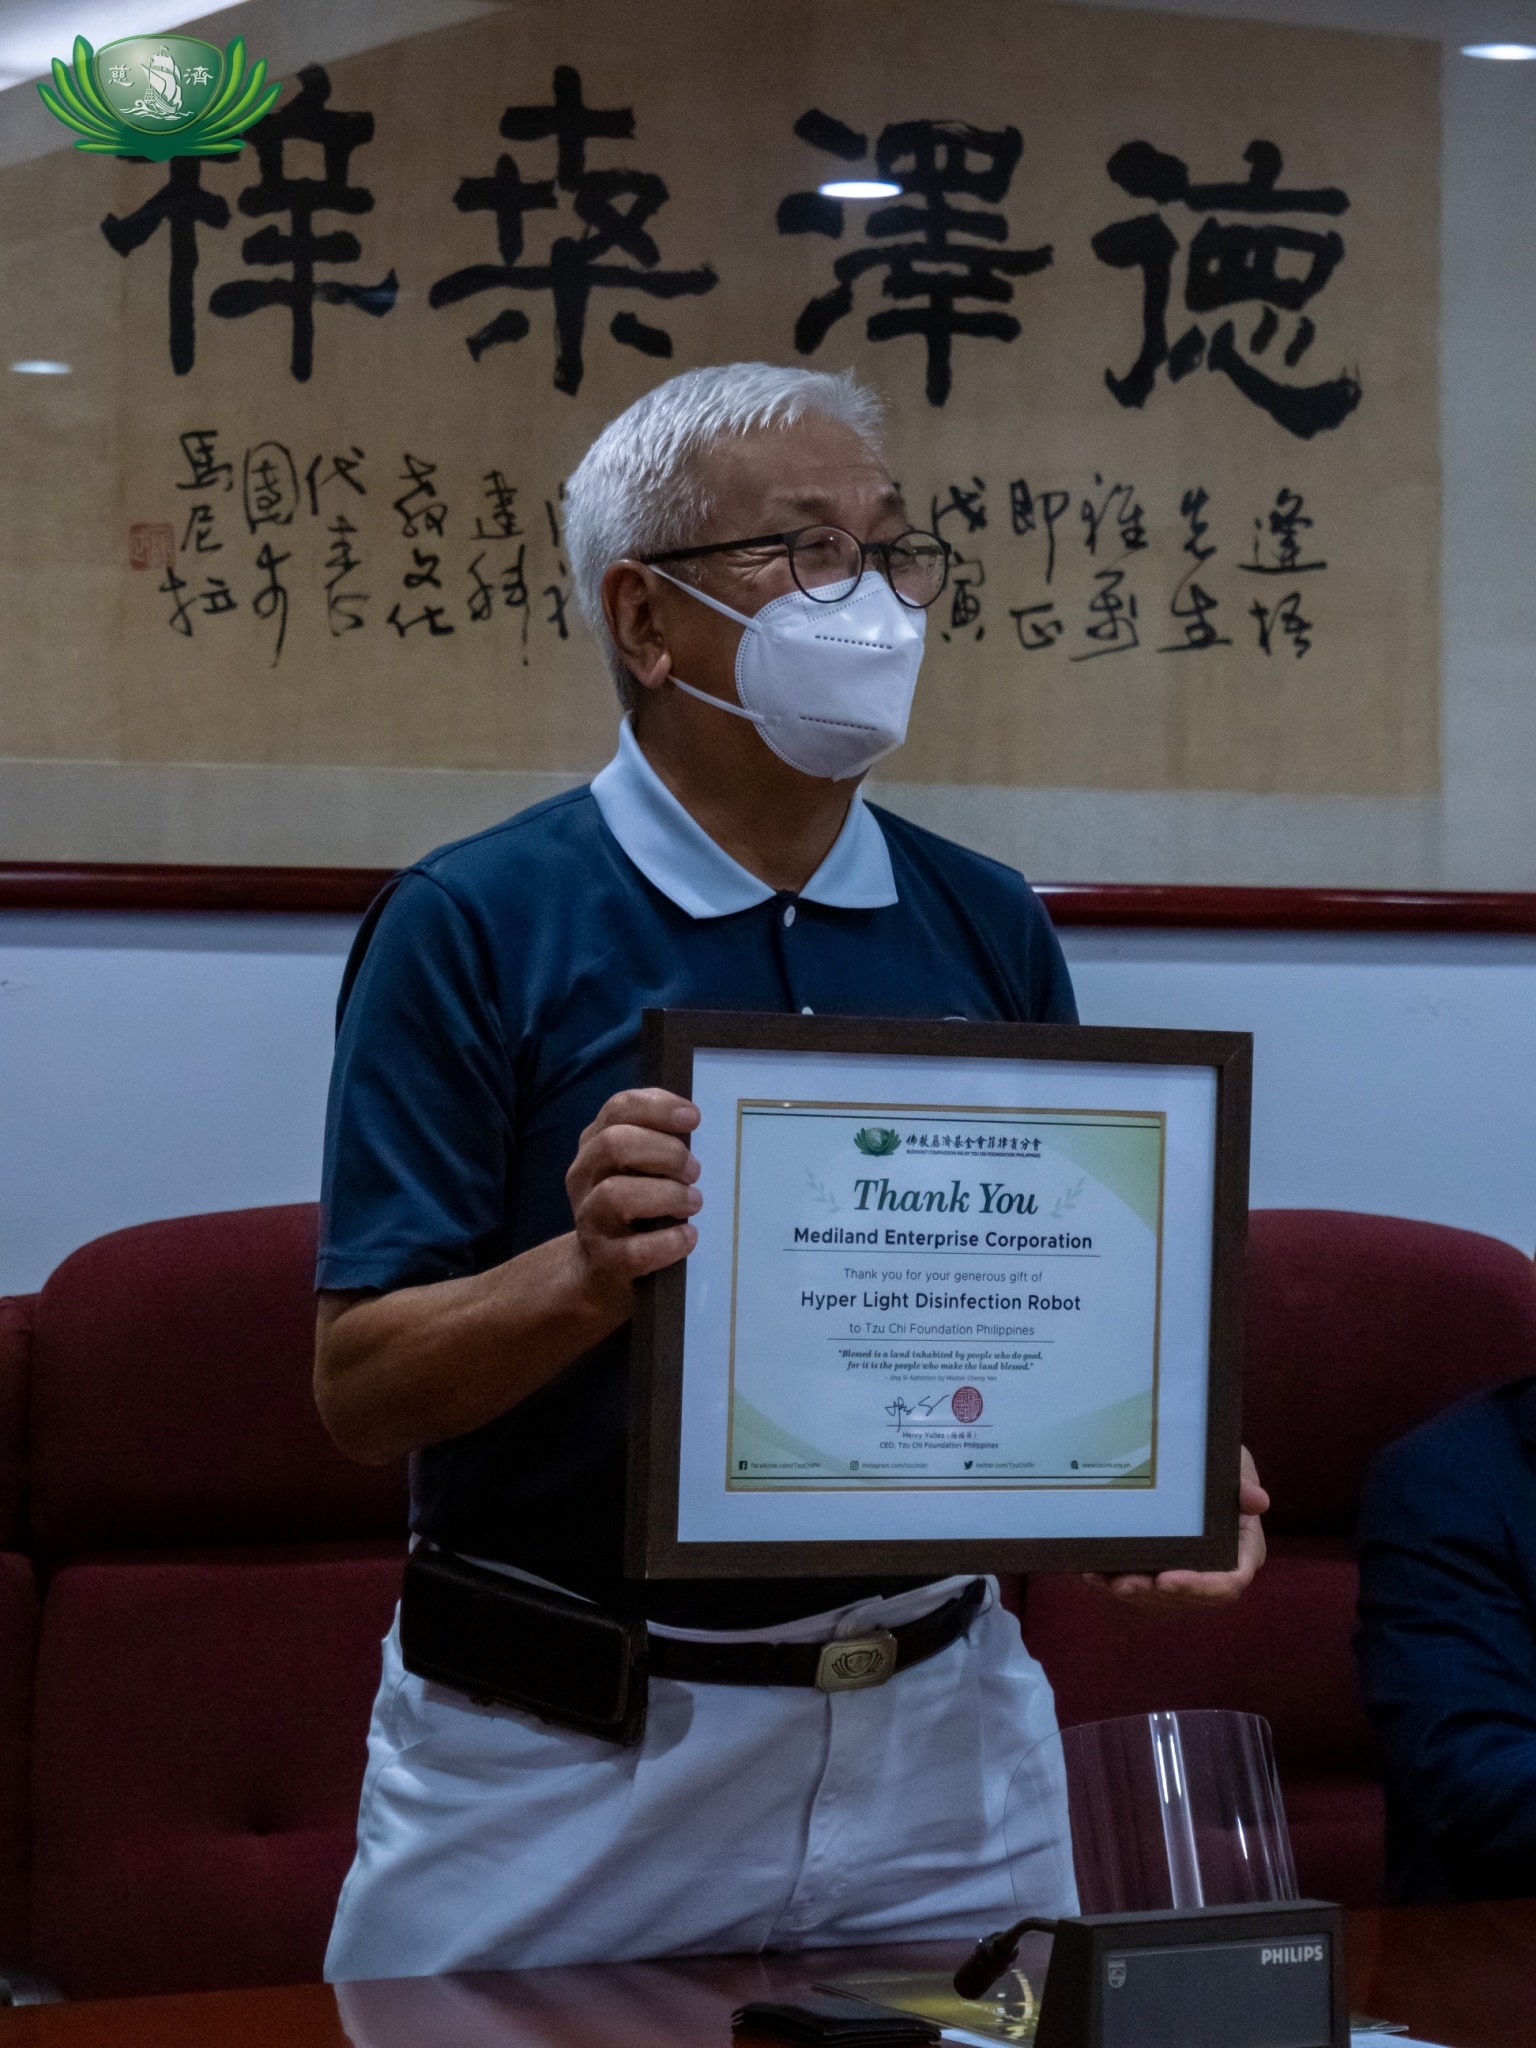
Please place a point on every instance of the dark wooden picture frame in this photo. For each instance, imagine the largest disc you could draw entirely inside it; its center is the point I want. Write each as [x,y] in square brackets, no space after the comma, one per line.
[653,1550]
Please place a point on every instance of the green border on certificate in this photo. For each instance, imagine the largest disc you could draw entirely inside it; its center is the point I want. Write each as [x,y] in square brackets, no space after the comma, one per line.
[962,1297]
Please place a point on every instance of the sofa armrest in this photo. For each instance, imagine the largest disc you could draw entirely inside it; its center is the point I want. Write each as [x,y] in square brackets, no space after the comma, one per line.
[15,1368]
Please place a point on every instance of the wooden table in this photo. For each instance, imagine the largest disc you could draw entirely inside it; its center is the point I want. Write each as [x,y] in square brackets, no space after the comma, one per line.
[1463,1975]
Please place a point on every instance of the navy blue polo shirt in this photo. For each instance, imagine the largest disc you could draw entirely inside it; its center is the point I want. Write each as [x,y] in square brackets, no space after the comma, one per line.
[492,1004]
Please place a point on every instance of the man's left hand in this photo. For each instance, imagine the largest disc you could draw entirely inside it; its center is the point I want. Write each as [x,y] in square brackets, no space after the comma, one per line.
[1202,1589]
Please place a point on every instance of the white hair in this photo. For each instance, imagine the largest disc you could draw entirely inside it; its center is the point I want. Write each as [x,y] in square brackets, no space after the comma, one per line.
[639,490]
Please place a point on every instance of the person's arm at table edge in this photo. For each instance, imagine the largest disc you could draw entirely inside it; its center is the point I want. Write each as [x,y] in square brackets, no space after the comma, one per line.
[416,1365]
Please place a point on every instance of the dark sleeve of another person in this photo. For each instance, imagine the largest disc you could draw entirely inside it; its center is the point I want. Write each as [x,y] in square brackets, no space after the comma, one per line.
[1447,1649]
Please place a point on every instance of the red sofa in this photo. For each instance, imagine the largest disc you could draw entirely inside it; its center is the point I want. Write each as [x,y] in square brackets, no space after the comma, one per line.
[215,1578]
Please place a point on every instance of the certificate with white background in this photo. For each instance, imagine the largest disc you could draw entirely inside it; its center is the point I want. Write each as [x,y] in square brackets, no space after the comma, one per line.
[959,1290]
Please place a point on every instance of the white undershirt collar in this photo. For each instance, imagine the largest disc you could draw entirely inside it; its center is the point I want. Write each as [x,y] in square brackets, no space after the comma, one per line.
[671,848]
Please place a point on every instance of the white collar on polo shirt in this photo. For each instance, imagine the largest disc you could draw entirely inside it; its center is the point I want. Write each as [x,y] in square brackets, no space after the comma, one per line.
[672,849]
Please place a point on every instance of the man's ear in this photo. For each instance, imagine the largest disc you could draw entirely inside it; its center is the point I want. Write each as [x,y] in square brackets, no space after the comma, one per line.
[630,595]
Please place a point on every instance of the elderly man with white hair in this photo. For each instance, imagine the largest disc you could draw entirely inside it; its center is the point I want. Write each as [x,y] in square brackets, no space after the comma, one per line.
[496,1180]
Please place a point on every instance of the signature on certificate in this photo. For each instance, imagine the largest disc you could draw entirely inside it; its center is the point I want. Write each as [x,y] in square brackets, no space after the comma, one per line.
[900,1409]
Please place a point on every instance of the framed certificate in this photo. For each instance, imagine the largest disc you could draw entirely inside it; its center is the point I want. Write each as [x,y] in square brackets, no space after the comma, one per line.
[965,1297]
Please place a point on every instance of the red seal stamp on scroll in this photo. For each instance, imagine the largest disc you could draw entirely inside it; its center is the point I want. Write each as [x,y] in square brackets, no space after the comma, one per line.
[966,1404]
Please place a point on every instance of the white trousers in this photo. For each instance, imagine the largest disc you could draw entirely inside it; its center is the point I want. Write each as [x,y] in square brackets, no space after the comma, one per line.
[751,1817]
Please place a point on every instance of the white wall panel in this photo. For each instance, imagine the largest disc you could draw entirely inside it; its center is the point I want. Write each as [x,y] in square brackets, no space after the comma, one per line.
[158,1065]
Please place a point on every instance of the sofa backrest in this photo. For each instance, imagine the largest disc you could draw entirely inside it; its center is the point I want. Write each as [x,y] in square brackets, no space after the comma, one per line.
[1359,1328]
[171,1395]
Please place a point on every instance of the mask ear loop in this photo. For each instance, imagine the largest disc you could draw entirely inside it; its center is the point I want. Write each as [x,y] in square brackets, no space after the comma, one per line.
[703,596]
[741,618]
[736,710]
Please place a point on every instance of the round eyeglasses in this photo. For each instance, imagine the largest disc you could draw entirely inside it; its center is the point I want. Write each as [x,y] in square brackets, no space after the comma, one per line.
[826,561]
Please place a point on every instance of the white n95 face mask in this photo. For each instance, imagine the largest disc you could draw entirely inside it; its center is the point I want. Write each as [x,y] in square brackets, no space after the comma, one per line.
[827,684]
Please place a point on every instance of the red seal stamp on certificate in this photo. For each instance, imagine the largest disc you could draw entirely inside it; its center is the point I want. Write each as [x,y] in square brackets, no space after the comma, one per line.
[966,1404]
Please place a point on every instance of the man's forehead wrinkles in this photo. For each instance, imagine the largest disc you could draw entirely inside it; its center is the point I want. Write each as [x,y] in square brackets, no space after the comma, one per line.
[822,504]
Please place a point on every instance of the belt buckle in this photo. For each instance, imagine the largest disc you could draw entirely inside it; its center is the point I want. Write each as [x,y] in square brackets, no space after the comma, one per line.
[854,1662]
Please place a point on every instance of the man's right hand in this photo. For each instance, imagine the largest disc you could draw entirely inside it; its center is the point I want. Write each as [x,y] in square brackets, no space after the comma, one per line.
[632,1187]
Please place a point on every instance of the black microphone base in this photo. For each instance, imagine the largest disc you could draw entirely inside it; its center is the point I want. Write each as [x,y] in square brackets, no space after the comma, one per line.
[1255,1976]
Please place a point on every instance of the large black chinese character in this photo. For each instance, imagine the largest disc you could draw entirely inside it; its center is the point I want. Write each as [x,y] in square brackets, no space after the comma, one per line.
[1229,264]
[305,118]
[577,265]
[184,207]
[947,257]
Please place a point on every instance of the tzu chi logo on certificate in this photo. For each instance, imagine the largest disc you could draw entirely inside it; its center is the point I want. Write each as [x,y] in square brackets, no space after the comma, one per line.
[962,1298]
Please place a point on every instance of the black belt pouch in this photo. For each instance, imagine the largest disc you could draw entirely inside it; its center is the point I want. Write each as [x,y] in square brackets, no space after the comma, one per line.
[507,1643]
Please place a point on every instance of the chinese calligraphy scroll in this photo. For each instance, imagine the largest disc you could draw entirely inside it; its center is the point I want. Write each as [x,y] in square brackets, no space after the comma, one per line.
[1155,309]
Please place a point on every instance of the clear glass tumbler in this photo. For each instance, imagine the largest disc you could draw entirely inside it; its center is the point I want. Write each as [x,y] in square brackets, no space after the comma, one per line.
[1166,1810]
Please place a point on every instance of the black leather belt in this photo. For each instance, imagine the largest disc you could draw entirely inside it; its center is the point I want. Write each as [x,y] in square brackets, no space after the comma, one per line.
[505,1642]
[844,1665]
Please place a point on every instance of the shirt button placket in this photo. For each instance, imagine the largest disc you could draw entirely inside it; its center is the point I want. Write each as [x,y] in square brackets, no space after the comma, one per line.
[786,911]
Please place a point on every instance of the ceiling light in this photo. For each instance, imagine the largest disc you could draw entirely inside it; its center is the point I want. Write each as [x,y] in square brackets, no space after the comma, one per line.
[859,188]
[39,366]
[1501,53]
